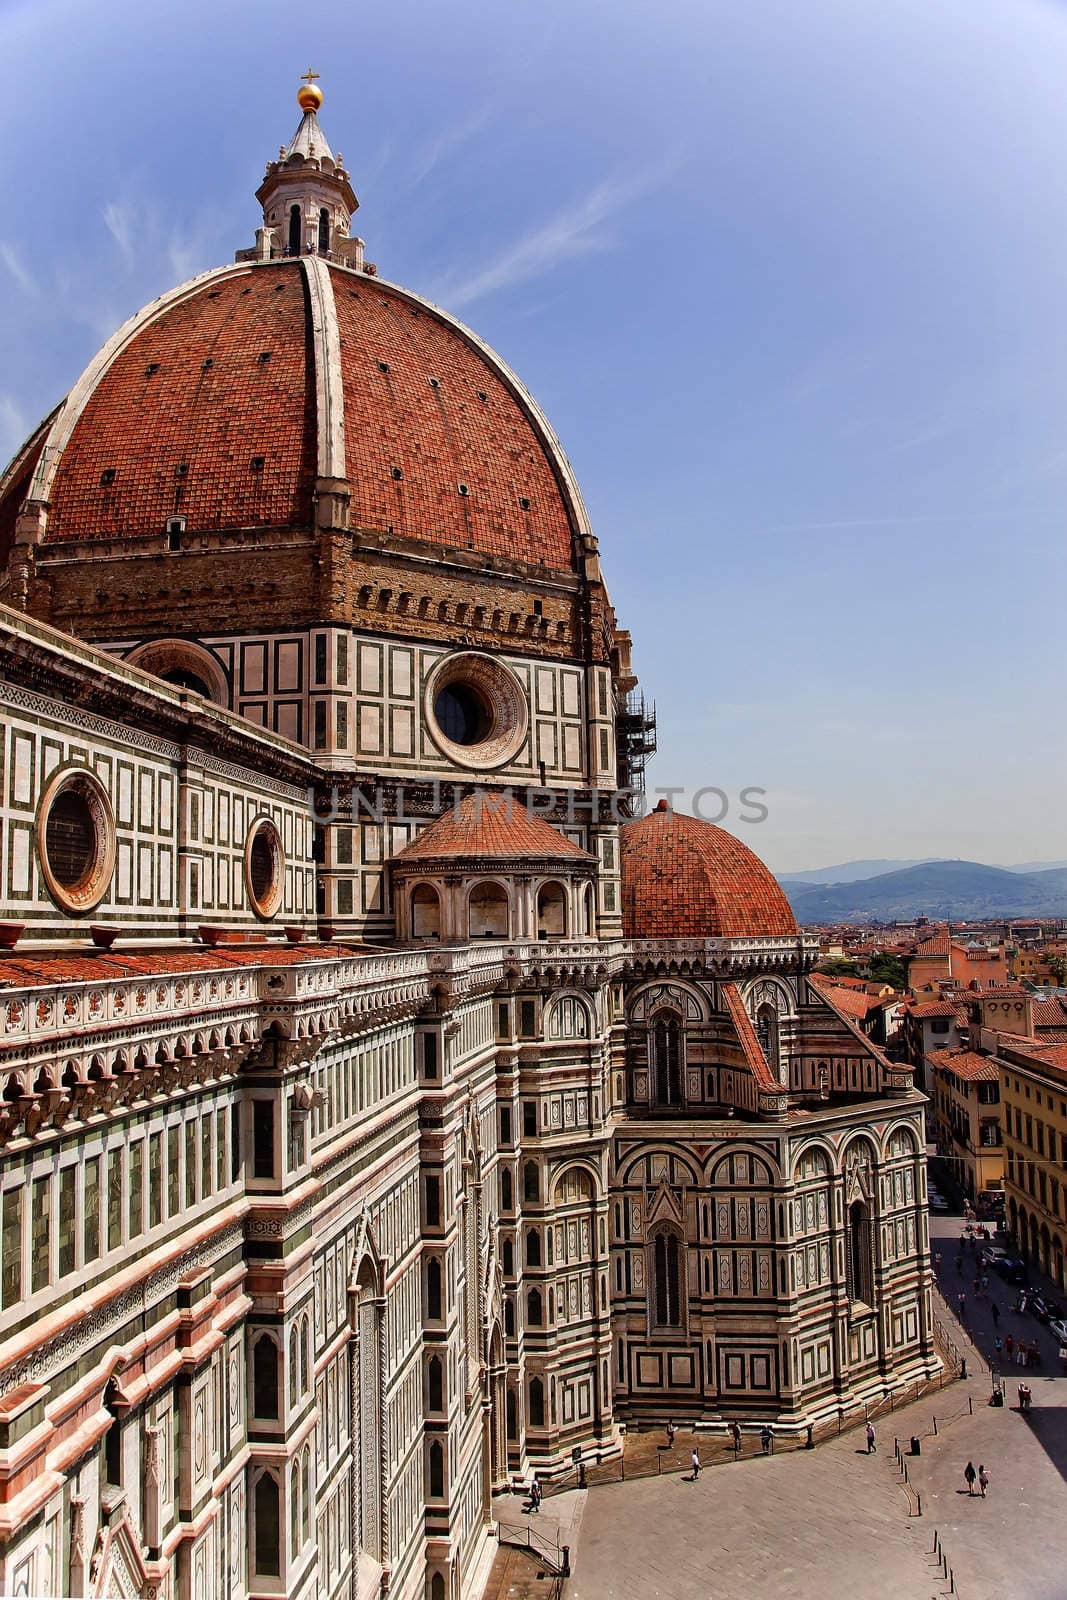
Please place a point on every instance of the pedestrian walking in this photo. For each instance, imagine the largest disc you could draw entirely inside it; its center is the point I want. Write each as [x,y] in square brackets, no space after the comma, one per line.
[937,1263]
[998,1346]
[985,1282]
[1009,1345]
[994,1312]
[1020,1354]
[872,1447]
[959,1263]
[766,1438]
[970,1475]
[1035,1353]
[671,1431]
[983,1479]
[961,1302]
[695,1460]
[735,1433]
[535,1493]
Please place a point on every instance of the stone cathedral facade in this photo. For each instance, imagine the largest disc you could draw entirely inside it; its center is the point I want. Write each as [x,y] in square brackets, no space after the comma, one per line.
[385,1112]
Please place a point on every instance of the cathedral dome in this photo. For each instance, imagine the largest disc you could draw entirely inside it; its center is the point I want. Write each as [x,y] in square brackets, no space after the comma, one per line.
[686,879]
[226,401]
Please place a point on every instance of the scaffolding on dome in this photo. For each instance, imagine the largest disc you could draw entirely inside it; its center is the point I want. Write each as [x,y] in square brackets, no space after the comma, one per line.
[635,726]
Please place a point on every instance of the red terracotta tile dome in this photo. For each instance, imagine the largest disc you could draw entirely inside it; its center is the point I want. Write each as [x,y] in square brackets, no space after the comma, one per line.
[687,879]
[223,401]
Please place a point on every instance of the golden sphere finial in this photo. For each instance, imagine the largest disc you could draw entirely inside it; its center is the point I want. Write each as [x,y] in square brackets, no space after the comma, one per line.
[308,98]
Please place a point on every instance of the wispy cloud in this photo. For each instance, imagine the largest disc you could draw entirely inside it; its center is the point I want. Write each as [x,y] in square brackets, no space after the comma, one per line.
[445,141]
[17,270]
[579,229]
[118,220]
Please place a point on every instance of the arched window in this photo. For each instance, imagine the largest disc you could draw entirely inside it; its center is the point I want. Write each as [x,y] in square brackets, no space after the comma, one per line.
[666,1280]
[487,912]
[589,915]
[509,1318]
[569,1019]
[294,1367]
[860,1266]
[551,912]
[295,231]
[507,1258]
[425,913]
[305,1494]
[511,1406]
[667,1060]
[268,1540]
[537,1403]
[533,1248]
[437,1587]
[437,1469]
[433,1289]
[534,1310]
[265,1377]
[324,231]
[436,1384]
[531,1182]
[506,1198]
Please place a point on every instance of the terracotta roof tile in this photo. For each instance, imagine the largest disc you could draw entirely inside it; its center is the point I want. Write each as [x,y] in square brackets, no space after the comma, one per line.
[491,824]
[966,1064]
[749,1041]
[106,965]
[682,878]
[225,378]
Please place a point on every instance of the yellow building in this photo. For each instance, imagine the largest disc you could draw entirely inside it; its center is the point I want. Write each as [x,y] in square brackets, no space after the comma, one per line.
[965,1090]
[1033,1082]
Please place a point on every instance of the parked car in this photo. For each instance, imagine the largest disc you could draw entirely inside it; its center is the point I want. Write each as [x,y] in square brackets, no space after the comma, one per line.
[1058,1327]
[1044,1308]
[1011,1269]
[937,1202]
[994,1254]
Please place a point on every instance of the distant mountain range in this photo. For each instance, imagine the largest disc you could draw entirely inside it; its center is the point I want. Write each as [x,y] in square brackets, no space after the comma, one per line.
[941,890]
[853,871]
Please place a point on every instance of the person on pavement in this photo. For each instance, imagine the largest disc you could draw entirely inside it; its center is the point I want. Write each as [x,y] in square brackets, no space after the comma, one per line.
[970,1475]
[983,1479]
[695,1460]
[871,1445]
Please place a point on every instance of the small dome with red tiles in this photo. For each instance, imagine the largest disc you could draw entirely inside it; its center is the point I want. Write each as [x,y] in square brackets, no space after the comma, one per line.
[687,879]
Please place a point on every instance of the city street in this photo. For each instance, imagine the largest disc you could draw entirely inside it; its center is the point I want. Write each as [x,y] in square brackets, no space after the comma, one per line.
[810,1525]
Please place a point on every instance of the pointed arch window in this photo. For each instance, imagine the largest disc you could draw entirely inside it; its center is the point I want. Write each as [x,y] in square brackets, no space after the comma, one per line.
[859,1263]
[268,1539]
[537,1403]
[265,1378]
[667,1060]
[767,1033]
[324,231]
[666,1285]
[294,231]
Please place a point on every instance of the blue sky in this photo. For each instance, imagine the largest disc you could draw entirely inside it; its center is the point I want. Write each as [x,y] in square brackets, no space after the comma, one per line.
[790,280]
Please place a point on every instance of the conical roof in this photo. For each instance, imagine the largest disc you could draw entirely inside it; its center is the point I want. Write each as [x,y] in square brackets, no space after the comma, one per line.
[491,825]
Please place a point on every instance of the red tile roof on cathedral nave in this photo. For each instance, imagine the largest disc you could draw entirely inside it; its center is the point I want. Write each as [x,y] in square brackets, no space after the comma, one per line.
[88,966]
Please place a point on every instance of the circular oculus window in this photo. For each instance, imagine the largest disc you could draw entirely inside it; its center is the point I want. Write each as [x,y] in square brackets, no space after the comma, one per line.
[76,840]
[264,868]
[475,710]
